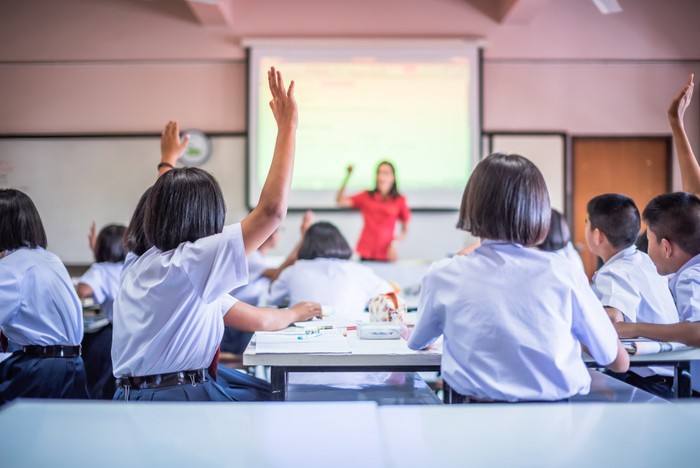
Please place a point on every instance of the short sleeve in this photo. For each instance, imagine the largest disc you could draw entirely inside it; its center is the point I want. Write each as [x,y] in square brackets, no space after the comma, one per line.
[227,301]
[687,296]
[404,211]
[279,289]
[431,317]
[10,295]
[95,278]
[215,264]
[358,200]
[615,291]
[590,323]
[256,265]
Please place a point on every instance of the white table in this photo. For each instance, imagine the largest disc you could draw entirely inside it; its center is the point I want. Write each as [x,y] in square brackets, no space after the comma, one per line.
[542,435]
[367,356]
[119,434]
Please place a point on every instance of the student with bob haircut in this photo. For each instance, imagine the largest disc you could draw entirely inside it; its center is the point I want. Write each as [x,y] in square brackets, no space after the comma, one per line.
[173,300]
[101,283]
[673,229]
[39,309]
[324,273]
[512,316]
[558,240]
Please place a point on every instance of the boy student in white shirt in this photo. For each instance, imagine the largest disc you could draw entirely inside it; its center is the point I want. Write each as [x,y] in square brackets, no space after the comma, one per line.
[324,273]
[39,310]
[173,300]
[101,283]
[513,317]
[628,284]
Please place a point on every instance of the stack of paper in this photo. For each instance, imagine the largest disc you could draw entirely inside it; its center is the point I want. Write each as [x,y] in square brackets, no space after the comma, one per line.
[286,343]
[638,347]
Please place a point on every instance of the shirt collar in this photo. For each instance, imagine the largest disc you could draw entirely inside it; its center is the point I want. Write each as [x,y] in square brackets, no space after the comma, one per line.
[693,261]
[626,252]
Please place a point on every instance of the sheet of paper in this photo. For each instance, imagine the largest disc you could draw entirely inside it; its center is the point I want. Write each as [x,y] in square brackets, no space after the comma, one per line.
[285,343]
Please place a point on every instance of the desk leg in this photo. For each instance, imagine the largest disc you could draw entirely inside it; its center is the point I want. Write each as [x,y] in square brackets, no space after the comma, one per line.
[682,380]
[450,396]
[278,381]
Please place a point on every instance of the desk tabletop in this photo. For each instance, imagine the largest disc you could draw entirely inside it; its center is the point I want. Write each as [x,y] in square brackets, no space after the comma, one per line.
[571,435]
[365,353]
[118,434]
[692,354]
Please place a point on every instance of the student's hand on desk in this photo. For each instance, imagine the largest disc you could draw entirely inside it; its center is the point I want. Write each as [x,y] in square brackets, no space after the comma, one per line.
[171,147]
[92,238]
[626,330]
[681,102]
[283,104]
[306,311]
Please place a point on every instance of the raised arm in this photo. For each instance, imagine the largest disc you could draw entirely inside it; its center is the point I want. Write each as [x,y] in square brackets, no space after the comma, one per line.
[341,199]
[171,147]
[274,197]
[273,273]
[690,170]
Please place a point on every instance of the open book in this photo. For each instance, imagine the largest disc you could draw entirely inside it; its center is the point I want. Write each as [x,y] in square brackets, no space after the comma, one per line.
[638,347]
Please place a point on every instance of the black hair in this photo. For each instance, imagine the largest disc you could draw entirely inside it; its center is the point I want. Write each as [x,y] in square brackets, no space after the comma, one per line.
[558,235]
[394,190]
[20,223]
[109,246]
[506,198]
[134,239]
[676,218]
[324,240]
[616,216]
[185,204]
[642,242]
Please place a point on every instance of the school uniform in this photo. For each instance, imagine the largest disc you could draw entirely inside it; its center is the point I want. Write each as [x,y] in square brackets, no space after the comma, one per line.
[512,318]
[570,253]
[103,279]
[258,284]
[344,285]
[40,312]
[630,283]
[168,317]
[685,287]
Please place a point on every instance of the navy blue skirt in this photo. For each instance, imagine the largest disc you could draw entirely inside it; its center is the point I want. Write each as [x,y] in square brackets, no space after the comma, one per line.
[243,387]
[97,355]
[24,376]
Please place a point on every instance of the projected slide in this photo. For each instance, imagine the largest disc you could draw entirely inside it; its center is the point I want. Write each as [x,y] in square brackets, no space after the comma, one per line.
[415,108]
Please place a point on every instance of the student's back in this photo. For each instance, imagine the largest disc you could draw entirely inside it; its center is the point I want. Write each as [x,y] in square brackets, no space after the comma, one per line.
[344,285]
[513,319]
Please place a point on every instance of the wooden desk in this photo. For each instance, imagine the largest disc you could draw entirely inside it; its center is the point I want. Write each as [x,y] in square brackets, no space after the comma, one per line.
[118,434]
[542,435]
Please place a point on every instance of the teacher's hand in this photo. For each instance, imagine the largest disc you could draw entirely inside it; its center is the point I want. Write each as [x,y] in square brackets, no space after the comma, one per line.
[392,254]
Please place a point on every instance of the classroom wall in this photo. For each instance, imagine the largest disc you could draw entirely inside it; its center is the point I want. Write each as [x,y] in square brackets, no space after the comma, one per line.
[76,67]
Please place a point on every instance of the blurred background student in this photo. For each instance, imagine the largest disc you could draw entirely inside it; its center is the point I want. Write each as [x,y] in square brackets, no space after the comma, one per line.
[380,209]
[558,240]
[101,283]
[325,274]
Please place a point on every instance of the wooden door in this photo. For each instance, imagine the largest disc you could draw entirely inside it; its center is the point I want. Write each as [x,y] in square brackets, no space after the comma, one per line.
[636,167]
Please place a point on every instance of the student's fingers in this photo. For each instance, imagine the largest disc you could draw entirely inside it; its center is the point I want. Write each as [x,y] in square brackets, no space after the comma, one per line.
[280,84]
[290,91]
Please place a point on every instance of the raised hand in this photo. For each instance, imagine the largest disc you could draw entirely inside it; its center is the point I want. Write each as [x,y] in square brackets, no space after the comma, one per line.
[283,103]
[92,237]
[306,222]
[171,147]
[681,102]
[349,169]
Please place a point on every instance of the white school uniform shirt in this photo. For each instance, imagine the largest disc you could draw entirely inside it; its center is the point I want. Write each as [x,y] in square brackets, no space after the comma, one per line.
[168,314]
[38,303]
[685,287]
[258,284]
[103,279]
[512,318]
[570,253]
[629,282]
[344,285]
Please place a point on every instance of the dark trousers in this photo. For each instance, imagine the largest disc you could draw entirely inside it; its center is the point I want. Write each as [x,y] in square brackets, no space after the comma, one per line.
[654,384]
[97,355]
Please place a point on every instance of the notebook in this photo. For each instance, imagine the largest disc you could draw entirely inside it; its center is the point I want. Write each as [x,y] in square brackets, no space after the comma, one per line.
[287,343]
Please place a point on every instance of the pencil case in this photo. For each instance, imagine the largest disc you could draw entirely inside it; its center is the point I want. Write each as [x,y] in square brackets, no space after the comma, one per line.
[378,331]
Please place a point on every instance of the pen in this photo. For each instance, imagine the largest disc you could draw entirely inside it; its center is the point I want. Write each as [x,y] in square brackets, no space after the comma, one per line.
[308,336]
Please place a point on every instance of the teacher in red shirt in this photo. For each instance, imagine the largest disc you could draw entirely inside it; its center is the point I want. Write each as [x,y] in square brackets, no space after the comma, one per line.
[380,209]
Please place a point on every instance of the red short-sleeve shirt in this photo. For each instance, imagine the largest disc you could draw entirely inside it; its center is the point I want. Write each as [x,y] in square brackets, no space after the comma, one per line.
[380,217]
